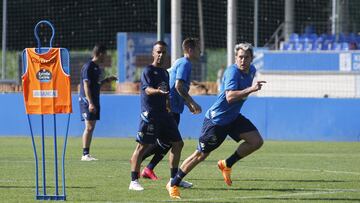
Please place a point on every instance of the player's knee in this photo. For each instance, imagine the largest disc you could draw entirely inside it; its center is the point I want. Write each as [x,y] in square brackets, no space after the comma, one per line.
[258,142]
[90,129]
[178,145]
[181,144]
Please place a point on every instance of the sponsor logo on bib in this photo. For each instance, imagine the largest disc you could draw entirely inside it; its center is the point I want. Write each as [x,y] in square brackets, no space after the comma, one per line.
[44,75]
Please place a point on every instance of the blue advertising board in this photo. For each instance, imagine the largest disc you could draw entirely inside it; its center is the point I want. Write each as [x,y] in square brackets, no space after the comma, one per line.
[308,61]
[295,119]
[131,48]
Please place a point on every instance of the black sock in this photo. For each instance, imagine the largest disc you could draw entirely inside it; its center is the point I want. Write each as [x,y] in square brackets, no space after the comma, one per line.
[177,179]
[173,172]
[86,151]
[155,160]
[134,175]
[232,160]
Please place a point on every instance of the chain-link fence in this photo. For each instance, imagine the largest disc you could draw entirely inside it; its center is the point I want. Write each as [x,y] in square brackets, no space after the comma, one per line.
[81,24]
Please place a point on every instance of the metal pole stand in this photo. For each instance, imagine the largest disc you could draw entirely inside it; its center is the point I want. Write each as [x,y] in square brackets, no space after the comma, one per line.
[44,195]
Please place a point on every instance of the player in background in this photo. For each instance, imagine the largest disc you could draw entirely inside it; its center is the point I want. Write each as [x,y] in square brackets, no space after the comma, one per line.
[89,97]
[180,73]
[156,122]
[224,118]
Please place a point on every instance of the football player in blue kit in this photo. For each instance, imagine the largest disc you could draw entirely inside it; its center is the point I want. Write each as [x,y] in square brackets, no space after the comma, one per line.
[224,118]
[180,74]
[156,122]
[91,80]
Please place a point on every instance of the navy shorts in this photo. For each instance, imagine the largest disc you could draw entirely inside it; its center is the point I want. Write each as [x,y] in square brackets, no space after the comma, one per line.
[167,145]
[176,116]
[86,115]
[160,126]
[212,135]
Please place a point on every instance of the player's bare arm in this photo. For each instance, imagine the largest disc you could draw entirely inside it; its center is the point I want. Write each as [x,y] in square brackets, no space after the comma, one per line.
[109,79]
[236,95]
[190,103]
[155,91]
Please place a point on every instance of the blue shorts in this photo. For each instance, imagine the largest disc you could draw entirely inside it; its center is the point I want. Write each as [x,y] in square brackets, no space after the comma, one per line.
[161,126]
[212,135]
[86,115]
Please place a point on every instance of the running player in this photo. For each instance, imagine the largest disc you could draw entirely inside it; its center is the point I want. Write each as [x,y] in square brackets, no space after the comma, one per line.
[180,73]
[223,118]
[156,122]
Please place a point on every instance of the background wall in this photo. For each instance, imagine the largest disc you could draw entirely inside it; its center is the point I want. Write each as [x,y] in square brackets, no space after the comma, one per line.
[309,119]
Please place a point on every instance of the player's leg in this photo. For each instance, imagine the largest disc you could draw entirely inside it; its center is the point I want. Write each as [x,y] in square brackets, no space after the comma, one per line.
[135,163]
[252,142]
[170,133]
[159,150]
[87,136]
[90,122]
[136,159]
[242,129]
[149,151]
[145,138]
[188,164]
[88,132]
[174,159]
[211,138]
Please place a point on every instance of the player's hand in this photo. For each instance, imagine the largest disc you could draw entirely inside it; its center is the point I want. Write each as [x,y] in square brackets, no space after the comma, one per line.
[195,108]
[110,79]
[162,90]
[92,108]
[258,85]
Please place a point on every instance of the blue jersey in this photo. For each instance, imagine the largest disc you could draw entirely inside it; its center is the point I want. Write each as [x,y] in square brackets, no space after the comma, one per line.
[180,70]
[221,112]
[153,77]
[91,73]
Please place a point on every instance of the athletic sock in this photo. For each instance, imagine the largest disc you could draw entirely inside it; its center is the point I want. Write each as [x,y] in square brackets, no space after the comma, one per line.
[232,160]
[151,166]
[155,160]
[86,151]
[178,178]
[134,175]
[173,172]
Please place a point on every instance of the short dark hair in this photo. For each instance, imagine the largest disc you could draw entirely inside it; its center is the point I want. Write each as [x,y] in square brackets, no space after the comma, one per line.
[189,43]
[99,49]
[160,42]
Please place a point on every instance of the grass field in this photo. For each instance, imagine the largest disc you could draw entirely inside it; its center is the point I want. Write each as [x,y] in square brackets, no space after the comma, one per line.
[279,172]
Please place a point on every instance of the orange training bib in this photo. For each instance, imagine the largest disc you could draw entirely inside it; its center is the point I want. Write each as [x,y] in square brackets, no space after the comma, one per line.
[46,86]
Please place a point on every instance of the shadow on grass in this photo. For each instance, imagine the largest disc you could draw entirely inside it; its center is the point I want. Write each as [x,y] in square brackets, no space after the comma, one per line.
[293,190]
[274,180]
[311,199]
[301,181]
[21,186]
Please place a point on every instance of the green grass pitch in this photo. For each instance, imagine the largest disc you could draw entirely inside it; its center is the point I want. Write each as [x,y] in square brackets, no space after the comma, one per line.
[278,172]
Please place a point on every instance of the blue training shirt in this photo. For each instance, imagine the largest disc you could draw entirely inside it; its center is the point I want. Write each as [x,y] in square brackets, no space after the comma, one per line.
[92,73]
[153,77]
[180,70]
[221,112]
